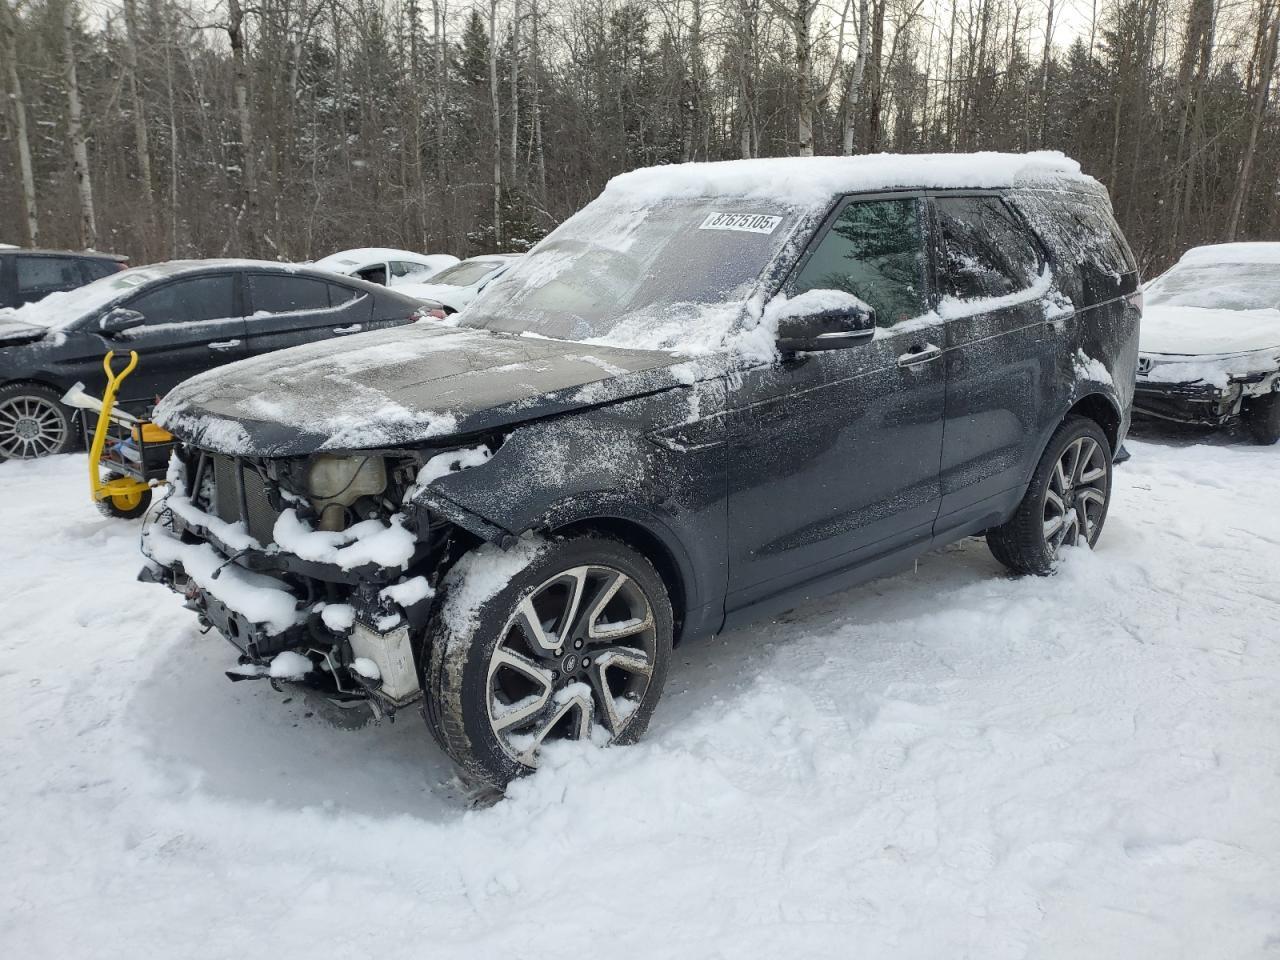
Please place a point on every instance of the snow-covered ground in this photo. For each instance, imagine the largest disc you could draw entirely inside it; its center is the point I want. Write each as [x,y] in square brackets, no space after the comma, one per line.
[951,763]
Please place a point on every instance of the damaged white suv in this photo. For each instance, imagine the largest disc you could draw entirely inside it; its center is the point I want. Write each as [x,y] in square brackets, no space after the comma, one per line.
[715,392]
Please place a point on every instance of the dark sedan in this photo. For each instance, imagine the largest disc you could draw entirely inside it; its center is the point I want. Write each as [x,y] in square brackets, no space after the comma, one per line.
[182,318]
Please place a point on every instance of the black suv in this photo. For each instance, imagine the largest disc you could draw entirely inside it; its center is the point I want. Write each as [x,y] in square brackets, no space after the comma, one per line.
[715,392]
[181,317]
[30,275]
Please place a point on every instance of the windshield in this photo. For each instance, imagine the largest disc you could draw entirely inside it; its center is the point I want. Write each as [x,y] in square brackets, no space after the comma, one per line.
[1220,286]
[58,311]
[672,275]
[466,273]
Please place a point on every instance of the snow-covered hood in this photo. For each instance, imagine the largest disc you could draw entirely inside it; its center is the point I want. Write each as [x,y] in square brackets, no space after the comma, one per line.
[402,386]
[1198,331]
[455,298]
[14,332]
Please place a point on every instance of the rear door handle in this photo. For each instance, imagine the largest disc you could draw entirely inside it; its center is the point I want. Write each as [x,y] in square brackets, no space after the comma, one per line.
[224,344]
[920,354]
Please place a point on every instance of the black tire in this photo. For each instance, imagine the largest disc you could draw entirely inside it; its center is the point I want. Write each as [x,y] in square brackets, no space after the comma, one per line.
[1261,417]
[464,685]
[34,423]
[124,508]
[1022,543]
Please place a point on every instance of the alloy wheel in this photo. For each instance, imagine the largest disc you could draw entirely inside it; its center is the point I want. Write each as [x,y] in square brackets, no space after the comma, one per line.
[573,662]
[30,427]
[1076,497]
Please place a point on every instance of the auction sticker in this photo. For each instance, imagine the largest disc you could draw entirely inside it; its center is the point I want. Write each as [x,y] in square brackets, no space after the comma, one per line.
[746,222]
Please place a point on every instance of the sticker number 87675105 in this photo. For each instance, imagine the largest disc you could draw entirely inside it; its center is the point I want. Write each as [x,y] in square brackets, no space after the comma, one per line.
[746,222]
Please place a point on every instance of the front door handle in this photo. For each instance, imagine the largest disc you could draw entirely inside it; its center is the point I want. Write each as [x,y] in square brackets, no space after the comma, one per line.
[920,354]
[224,344]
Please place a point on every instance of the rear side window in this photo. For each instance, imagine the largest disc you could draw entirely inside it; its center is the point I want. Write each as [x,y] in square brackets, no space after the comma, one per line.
[278,293]
[1088,243]
[188,301]
[47,274]
[875,251]
[986,251]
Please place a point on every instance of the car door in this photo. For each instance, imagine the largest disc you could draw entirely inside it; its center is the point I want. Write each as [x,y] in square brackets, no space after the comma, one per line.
[1009,338]
[836,452]
[191,324]
[287,310]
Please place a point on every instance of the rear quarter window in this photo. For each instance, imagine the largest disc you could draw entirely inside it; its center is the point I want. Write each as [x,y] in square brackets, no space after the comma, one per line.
[1087,244]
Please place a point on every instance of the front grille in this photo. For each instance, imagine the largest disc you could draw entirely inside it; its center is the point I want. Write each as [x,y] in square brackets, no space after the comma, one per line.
[240,495]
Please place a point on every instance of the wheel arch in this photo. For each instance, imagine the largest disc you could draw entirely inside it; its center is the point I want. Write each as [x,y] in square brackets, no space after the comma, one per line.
[1103,410]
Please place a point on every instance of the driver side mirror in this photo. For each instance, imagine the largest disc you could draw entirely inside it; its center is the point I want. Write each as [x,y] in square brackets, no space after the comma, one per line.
[120,319]
[822,320]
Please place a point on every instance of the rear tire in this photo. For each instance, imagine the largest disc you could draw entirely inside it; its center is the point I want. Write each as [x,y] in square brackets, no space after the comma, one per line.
[575,645]
[126,507]
[1065,504]
[1261,417]
[33,422]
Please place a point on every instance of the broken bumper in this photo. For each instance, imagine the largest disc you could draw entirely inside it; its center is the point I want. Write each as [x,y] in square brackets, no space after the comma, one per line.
[1196,403]
[363,653]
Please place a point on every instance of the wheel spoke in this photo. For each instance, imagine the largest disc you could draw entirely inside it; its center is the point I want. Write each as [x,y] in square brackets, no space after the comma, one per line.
[617,710]
[1084,455]
[576,698]
[1059,480]
[504,715]
[531,626]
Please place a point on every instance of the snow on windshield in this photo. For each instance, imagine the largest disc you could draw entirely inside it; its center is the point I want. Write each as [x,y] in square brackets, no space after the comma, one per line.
[673,275]
[59,310]
[1221,286]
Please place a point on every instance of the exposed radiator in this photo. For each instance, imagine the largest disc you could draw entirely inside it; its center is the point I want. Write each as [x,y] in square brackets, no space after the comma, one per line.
[228,480]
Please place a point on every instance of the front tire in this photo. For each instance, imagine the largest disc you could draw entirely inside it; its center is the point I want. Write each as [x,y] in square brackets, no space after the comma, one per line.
[574,645]
[1065,504]
[33,423]
[1262,418]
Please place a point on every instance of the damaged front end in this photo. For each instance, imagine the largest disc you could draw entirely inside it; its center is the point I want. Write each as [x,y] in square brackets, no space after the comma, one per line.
[1203,390]
[318,569]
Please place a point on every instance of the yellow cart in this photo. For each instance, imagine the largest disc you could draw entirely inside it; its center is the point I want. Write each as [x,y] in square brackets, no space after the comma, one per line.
[127,455]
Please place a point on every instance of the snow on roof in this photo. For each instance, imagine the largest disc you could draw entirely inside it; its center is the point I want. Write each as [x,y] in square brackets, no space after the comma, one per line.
[362,256]
[805,181]
[1233,253]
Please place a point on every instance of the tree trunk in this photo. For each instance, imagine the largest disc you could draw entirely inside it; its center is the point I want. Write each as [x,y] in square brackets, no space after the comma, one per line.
[75,129]
[515,86]
[540,158]
[8,43]
[248,161]
[855,83]
[800,24]
[1267,67]
[140,139]
[1045,60]
[495,108]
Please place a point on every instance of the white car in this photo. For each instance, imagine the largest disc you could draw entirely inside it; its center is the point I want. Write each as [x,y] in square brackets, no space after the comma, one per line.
[1210,342]
[386,266]
[452,289]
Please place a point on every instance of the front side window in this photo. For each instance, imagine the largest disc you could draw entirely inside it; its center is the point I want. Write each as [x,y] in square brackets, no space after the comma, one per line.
[188,301]
[280,293]
[875,251]
[986,251]
[47,274]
